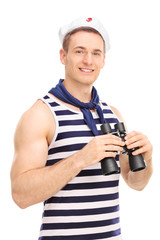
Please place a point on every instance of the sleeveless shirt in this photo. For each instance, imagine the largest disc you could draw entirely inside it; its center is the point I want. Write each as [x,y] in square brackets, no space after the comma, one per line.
[88,206]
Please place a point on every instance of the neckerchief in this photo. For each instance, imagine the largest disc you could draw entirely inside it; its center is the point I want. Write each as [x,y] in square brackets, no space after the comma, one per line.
[60,92]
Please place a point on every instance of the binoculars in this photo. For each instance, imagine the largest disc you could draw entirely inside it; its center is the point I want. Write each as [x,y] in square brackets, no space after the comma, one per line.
[109,164]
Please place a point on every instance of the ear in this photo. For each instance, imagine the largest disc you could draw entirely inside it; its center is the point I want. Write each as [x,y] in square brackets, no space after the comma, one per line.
[62,56]
[104,58]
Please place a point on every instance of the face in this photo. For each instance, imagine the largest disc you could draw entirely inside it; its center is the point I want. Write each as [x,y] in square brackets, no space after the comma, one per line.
[85,57]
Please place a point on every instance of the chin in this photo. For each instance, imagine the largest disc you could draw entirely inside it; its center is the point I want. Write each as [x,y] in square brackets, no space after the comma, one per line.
[87,80]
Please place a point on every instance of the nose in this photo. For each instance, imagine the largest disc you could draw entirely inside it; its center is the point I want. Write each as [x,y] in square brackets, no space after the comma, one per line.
[88,59]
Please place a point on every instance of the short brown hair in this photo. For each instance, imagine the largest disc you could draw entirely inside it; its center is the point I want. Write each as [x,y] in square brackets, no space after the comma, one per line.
[85,29]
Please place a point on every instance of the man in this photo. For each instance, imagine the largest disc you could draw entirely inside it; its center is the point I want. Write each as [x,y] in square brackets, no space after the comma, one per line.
[59,146]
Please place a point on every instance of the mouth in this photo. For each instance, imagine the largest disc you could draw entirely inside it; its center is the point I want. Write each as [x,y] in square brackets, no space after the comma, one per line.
[86,70]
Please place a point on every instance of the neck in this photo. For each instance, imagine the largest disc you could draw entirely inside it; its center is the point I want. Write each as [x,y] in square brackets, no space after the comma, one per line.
[80,91]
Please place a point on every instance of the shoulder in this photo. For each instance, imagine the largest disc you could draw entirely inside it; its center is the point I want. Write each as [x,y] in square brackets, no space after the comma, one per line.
[117,113]
[38,113]
[37,121]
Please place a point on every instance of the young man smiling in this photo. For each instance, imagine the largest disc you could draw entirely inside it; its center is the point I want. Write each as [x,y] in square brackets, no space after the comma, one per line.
[83,62]
[59,146]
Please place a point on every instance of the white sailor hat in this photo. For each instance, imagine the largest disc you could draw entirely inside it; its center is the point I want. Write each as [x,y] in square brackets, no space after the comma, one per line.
[85,22]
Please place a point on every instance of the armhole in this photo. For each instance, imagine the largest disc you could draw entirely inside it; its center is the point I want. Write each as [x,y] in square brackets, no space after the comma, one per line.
[109,107]
[56,121]
[114,113]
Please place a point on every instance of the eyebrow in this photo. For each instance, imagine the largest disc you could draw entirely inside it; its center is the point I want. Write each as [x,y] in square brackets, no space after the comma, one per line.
[83,48]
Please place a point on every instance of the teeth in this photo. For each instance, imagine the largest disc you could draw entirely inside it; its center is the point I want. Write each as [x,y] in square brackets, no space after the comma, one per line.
[86,70]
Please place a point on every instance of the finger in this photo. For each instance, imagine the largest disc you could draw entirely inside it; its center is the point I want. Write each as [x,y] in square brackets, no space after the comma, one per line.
[114,143]
[138,151]
[110,136]
[133,137]
[141,150]
[136,137]
[113,148]
[113,140]
[139,143]
[132,134]
[109,154]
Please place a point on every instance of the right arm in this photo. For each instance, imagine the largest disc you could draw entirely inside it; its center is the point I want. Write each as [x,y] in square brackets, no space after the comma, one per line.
[31,181]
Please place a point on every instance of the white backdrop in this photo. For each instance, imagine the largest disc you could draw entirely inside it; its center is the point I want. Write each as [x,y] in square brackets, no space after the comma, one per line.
[30,66]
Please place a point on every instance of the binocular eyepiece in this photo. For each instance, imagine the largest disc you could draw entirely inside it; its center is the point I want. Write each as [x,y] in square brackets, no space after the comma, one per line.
[109,164]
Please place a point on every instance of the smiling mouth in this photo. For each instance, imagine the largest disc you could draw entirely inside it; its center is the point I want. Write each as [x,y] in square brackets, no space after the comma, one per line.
[86,70]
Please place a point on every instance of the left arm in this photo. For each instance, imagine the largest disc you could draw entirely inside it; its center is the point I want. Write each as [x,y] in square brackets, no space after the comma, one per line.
[136,180]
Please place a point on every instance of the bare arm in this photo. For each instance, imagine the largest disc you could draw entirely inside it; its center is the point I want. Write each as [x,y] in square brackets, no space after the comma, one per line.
[32,182]
[136,180]
[139,180]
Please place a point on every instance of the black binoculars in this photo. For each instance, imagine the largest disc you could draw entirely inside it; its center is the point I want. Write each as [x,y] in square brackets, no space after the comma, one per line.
[109,164]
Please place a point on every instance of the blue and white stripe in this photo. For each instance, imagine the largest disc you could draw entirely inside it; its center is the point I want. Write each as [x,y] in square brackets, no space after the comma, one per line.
[88,206]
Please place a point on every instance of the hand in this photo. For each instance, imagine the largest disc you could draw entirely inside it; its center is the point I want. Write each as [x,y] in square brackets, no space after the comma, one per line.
[100,147]
[137,139]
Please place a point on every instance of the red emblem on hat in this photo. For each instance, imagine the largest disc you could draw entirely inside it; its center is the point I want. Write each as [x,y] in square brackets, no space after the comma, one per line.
[89,19]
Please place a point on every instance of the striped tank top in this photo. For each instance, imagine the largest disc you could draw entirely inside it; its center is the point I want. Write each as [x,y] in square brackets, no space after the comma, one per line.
[87,207]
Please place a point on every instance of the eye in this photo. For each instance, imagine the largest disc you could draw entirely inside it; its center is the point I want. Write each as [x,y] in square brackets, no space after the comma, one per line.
[79,51]
[96,54]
